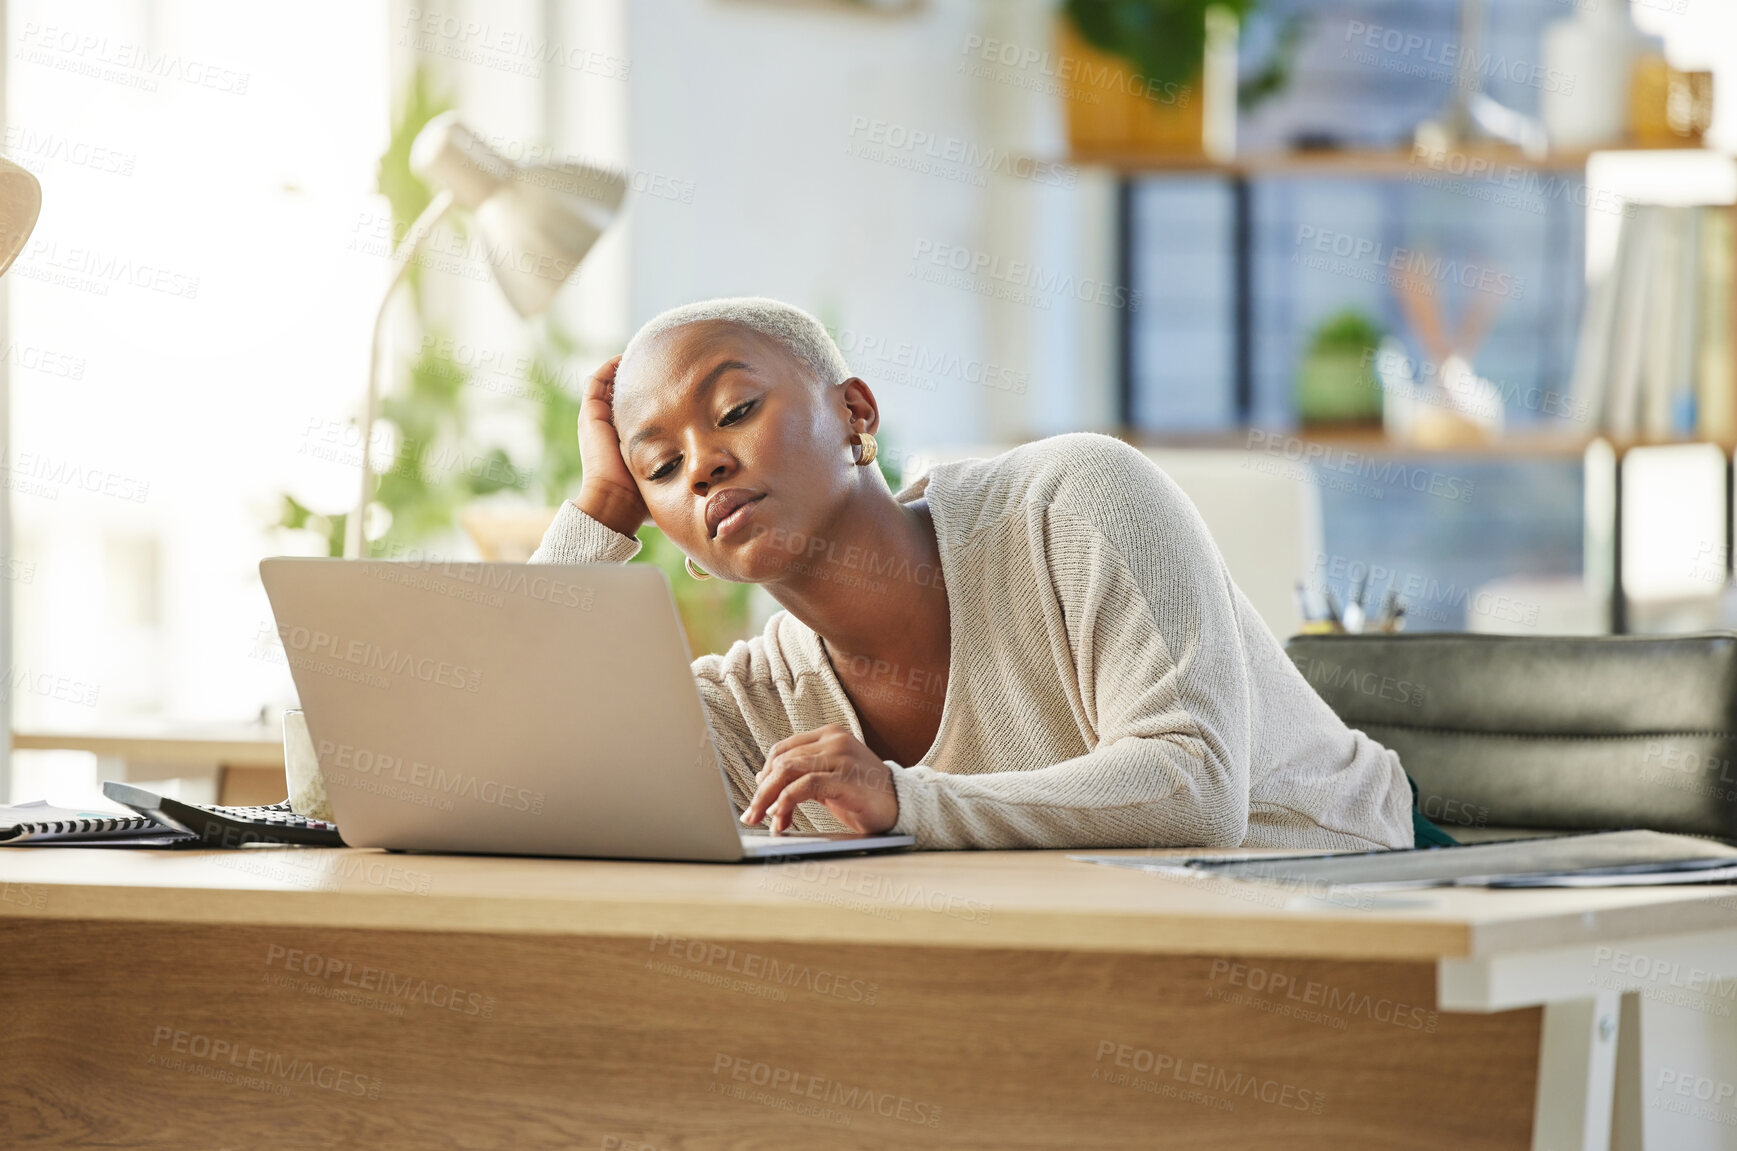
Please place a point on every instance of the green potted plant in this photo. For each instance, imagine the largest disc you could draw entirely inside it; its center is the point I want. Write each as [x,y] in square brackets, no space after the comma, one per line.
[1141,72]
[1336,381]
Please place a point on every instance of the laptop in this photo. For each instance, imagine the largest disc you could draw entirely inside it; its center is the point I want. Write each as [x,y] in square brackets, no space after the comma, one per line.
[519,709]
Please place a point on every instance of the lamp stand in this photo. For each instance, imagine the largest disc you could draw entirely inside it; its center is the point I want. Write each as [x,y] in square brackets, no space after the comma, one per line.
[355,544]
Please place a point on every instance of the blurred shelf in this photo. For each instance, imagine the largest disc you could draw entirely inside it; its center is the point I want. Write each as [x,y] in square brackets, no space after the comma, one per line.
[165,742]
[234,763]
[1355,163]
[1374,442]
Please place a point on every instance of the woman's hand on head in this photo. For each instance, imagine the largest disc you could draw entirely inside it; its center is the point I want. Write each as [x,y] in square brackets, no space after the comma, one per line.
[607,492]
[830,765]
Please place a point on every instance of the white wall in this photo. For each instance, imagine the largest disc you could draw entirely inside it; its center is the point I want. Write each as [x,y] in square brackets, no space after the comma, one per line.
[767,108]
[742,125]
[186,304]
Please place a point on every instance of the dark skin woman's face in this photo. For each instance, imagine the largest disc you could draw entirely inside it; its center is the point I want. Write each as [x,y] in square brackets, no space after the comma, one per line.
[711,407]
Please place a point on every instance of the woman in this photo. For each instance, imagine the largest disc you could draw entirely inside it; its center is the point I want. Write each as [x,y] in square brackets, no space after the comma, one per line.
[1043,649]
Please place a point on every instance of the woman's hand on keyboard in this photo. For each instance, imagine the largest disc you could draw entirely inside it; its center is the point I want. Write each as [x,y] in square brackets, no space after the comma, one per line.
[830,765]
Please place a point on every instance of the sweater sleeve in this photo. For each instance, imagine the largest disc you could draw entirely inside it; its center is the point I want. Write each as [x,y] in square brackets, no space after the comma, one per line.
[576,538]
[732,690]
[1161,688]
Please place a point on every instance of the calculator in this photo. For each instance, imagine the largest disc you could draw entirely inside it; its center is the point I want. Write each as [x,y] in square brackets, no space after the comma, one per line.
[215,825]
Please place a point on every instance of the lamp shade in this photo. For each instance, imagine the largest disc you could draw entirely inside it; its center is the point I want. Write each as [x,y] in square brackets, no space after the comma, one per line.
[20,204]
[537,221]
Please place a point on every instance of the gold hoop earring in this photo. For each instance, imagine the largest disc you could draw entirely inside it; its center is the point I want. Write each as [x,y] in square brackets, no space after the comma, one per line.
[866,441]
[697,573]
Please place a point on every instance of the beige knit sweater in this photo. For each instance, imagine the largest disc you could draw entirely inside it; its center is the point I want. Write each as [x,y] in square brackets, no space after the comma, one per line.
[1109,685]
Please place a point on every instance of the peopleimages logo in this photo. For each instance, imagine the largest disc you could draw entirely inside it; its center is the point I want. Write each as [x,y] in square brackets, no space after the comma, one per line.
[467,254]
[312,644]
[48,686]
[1386,361]
[88,268]
[1703,1097]
[1451,58]
[1075,77]
[395,769]
[1325,673]
[1194,1073]
[1505,182]
[702,953]
[475,42]
[231,1053]
[1689,762]
[1426,597]
[1278,985]
[852,556]
[403,988]
[1021,278]
[924,150]
[1666,972]
[850,1097]
[135,65]
[486,579]
[25,148]
[882,889]
[1360,255]
[21,469]
[920,365]
[1383,472]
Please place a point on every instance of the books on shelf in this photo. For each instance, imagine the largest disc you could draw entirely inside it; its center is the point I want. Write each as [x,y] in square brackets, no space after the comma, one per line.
[1717,366]
[1655,358]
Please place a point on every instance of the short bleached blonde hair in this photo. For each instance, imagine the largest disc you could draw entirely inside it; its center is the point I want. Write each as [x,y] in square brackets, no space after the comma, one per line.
[803,336]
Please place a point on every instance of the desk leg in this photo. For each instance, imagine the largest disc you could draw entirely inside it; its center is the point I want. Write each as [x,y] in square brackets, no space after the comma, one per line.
[1628,1107]
[1677,1090]
[1576,1074]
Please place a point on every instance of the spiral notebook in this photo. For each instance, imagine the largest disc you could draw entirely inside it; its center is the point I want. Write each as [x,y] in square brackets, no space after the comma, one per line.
[38,822]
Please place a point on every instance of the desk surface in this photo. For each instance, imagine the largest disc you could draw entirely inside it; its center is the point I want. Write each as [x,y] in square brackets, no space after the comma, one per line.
[1033,899]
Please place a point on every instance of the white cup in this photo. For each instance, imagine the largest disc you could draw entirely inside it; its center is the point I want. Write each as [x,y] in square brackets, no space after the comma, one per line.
[307,790]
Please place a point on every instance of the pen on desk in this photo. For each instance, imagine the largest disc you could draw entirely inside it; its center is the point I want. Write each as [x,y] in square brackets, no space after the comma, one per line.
[1392,612]
[1354,614]
[1314,623]
[1333,613]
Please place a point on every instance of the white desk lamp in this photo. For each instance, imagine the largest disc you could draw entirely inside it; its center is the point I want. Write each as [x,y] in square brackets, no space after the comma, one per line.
[20,205]
[537,221]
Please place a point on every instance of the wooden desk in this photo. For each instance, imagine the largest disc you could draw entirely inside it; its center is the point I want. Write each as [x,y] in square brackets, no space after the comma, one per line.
[244,761]
[293,998]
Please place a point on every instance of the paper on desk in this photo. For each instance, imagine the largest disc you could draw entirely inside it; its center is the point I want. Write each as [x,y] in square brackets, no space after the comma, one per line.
[1725,874]
[1722,874]
[1590,859]
[1176,864]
